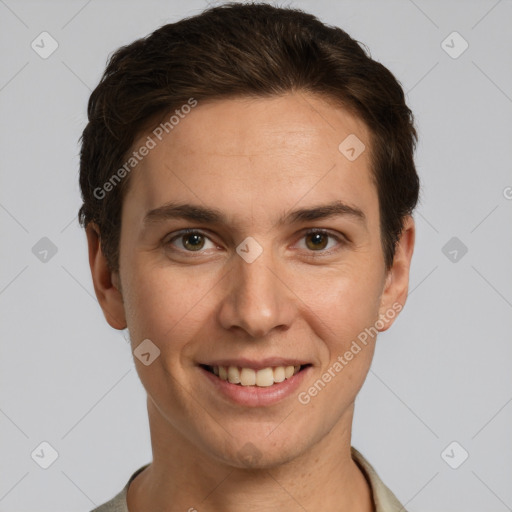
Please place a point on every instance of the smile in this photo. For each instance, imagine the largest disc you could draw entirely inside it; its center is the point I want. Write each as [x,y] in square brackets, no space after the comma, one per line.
[254,387]
[264,377]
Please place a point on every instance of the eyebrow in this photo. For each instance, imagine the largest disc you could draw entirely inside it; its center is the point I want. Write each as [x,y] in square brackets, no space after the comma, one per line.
[197,213]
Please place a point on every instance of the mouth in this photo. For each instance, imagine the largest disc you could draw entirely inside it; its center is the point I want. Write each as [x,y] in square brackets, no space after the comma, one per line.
[251,377]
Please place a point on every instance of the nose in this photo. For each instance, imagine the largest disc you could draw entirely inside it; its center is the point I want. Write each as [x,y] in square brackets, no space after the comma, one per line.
[257,298]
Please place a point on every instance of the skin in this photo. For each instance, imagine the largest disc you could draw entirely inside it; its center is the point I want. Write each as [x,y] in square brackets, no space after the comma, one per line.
[254,159]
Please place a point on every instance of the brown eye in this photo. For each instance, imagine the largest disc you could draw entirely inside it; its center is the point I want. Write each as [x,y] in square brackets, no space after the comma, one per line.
[188,241]
[193,242]
[318,243]
[317,240]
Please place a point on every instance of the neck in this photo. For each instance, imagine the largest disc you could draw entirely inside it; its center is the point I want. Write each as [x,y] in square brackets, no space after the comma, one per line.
[183,477]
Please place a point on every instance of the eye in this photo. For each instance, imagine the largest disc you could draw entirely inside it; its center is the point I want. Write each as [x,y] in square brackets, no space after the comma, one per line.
[190,240]
[317,240]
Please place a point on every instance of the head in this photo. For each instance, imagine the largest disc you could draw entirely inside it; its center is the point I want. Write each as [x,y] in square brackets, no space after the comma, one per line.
[248,113]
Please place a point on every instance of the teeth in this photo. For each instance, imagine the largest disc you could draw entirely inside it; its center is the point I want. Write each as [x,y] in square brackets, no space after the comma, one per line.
[223,374]
[279,374]
[248,377]
[233,375]
[265,377]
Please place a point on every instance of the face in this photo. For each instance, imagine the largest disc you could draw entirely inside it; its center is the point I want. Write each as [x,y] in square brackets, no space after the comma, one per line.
[249,239]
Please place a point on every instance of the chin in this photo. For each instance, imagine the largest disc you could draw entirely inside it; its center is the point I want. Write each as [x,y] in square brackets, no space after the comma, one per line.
[260,451]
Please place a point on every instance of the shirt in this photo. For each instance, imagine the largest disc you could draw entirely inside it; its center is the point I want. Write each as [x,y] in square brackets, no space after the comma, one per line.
[383,499]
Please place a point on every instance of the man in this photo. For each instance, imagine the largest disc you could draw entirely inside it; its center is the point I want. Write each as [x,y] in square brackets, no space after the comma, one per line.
[248,184]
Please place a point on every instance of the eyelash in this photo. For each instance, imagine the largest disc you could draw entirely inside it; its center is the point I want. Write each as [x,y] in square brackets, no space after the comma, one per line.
[313,254]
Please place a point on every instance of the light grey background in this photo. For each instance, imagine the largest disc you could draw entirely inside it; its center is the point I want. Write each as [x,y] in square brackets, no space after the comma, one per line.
[441,374]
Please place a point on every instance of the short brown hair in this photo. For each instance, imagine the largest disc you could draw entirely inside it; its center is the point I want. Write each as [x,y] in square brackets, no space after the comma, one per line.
[237,50]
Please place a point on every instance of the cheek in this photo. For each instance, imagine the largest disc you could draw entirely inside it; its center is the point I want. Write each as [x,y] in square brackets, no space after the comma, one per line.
[346,302]
[340,315]
[163,304]
[343,310]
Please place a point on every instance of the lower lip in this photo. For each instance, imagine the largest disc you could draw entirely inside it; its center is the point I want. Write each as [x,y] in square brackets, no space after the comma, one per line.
[255,396]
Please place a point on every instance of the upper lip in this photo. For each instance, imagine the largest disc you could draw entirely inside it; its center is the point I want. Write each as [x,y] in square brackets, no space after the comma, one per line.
[257,364]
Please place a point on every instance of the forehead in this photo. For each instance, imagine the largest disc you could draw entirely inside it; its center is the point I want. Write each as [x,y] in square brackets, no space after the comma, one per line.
[268,154]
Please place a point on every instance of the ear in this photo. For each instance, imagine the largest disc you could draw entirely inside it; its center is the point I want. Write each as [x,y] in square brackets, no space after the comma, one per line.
[396,284]
[106,283]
